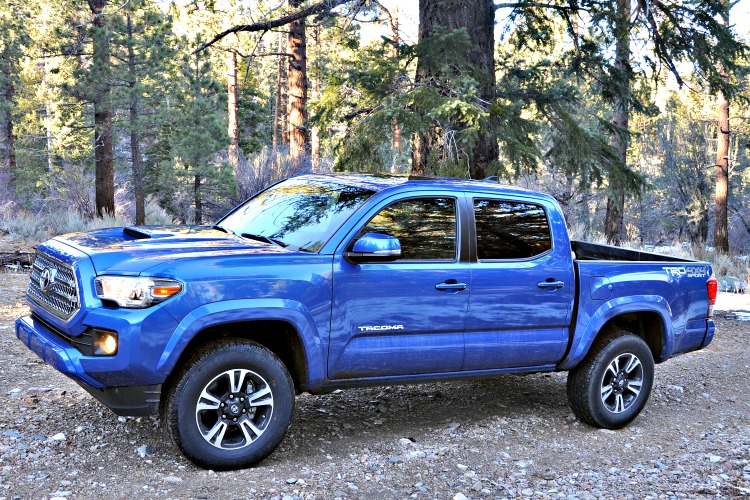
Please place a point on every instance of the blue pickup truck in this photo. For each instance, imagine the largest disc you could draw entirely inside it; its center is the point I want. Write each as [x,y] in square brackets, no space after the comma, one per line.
[323,282]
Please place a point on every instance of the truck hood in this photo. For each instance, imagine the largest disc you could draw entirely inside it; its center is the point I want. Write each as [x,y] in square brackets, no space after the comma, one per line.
[133,250]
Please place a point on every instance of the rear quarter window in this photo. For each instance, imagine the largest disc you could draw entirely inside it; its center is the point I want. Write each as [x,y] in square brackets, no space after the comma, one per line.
[510,230]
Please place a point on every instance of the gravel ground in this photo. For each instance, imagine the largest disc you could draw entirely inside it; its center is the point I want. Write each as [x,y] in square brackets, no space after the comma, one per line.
[509,437]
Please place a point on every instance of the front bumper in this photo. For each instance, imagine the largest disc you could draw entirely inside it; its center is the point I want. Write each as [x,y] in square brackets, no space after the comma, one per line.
[123,400]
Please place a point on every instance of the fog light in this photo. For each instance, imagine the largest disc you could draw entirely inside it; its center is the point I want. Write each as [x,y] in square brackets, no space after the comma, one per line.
[105,343]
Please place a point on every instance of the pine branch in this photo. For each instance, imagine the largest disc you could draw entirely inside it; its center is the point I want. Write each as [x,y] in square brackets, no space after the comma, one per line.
[522,4]
[321,8]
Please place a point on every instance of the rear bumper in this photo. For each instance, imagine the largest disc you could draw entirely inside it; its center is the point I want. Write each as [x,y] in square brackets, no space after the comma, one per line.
[130,400]
[710,329]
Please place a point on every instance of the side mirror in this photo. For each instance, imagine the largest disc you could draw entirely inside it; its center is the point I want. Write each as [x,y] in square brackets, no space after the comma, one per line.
[374,247]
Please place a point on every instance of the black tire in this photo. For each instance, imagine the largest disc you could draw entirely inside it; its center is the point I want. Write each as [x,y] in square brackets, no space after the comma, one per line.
[610,387]
[246,401]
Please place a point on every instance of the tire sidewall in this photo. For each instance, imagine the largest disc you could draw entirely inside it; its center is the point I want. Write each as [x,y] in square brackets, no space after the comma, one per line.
[627,344]
[195,379]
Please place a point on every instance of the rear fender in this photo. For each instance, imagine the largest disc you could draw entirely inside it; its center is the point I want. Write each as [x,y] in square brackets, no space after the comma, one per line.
[588,326]
[235,311]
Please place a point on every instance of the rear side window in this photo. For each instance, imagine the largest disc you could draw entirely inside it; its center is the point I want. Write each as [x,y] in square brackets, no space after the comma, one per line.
[510,230]
[426,227]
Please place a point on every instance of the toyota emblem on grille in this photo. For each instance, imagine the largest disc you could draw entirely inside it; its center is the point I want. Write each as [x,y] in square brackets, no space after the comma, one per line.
[47,279]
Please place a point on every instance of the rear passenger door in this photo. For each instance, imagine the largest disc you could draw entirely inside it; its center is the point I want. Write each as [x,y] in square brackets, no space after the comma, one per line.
[521,287]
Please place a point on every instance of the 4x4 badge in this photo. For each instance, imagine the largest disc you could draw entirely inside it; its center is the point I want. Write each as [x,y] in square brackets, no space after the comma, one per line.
[47,279]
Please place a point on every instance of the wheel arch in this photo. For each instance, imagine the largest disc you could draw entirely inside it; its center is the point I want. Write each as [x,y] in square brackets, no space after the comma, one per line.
[646,317]
[278,336]
[286,329]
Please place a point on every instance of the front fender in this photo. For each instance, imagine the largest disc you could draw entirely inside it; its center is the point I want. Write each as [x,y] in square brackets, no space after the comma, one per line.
[589,324]
[235,311]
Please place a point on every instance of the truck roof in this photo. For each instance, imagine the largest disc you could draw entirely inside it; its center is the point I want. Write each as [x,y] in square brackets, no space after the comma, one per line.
[382,181]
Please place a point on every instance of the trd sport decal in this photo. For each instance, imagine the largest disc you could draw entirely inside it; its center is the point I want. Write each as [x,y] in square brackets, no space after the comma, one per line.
[689,271]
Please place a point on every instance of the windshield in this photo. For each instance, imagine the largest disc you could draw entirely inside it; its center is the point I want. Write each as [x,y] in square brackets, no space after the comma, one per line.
[299,213]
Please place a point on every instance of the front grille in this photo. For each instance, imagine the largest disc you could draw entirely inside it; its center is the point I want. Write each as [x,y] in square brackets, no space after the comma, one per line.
[53,286]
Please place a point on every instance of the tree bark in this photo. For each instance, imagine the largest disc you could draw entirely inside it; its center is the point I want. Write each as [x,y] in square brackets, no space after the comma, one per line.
[104,157]
[135,140]
[232,127]
[614,227]
[299,138]
[478,18]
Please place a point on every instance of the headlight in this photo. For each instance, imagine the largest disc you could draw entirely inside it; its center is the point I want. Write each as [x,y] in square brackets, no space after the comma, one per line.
[136,292]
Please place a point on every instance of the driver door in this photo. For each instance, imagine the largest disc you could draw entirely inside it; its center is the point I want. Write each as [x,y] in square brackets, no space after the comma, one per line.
[404,317]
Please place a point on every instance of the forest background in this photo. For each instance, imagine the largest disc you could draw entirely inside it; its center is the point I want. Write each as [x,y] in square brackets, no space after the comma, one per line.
[633,114]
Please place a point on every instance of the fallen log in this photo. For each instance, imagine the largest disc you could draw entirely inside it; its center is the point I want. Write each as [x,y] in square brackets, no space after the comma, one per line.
[18,258]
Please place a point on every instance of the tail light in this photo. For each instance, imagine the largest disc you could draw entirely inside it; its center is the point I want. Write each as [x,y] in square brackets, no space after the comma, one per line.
[712,286]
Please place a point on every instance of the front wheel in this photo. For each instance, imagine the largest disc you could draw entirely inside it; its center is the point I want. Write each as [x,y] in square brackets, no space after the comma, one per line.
[610,387]
[230,406]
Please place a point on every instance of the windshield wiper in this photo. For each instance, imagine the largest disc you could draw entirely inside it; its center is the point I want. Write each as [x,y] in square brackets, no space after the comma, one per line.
[261,237]
[222,229]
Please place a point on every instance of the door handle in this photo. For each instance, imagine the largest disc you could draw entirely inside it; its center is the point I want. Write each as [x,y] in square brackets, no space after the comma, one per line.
[450,285]
[550,284]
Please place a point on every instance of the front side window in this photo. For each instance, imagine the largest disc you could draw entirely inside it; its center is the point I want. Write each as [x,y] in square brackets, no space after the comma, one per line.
[426,227]
[510,230]
[299,213]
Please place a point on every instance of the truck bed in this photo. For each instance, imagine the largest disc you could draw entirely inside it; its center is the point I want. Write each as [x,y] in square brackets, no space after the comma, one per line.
[592,251]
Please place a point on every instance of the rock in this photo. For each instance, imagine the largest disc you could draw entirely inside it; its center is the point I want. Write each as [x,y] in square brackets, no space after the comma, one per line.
[172,479]
[460,496]
[291,480]
[60,436]
[145,450]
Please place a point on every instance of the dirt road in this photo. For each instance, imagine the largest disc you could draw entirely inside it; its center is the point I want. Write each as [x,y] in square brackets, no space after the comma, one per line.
[509,437]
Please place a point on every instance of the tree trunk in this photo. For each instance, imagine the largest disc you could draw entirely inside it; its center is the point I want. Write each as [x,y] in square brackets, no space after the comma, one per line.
[614,227]
[721,231]
[478,18]
[278,112]
[232,128]
[197,199]
[395,127]
[317,76]
[104,157]
[299,138]
[48,115]
[9,134]
[721,219]
[135,140]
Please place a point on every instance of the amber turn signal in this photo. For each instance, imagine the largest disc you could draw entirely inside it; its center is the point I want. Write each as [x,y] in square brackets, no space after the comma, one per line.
[166,291]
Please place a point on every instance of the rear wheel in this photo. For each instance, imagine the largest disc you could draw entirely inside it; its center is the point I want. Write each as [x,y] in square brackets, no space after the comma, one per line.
[613,383]
[231,405]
